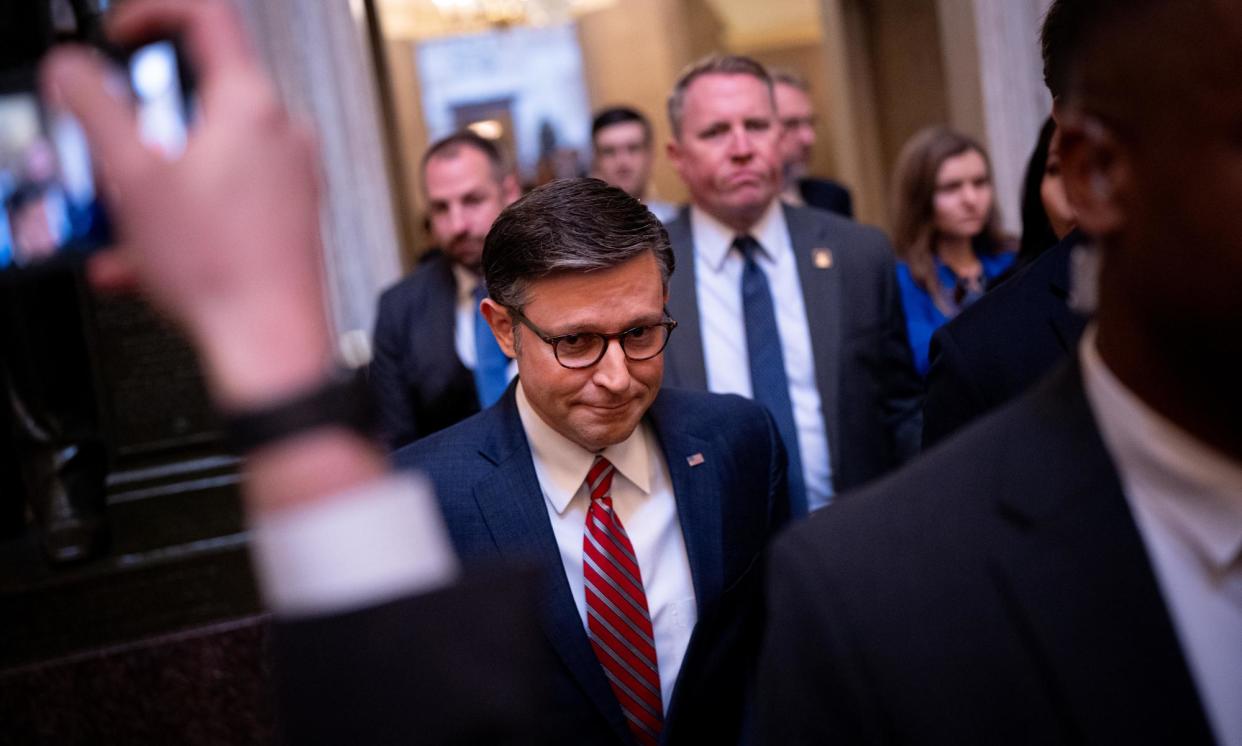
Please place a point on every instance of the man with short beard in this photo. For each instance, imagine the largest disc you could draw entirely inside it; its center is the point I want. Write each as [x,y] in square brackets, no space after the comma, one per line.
[432,367]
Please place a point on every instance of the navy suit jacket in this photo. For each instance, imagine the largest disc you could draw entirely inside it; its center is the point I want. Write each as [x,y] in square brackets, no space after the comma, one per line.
[728,505]
[1002,344]
[995,591]
[827,195]
[872,397]
[419,382]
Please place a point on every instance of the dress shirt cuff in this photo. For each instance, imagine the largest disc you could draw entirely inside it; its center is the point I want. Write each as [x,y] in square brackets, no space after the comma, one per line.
[364,547]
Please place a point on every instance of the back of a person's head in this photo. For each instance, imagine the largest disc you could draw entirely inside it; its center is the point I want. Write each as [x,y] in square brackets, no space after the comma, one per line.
[568,225]
[1072,27]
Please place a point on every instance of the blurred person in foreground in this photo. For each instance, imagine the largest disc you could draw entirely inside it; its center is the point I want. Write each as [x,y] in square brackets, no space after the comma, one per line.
[436,362]
[1069,569]
[378,636]
[947,231]
[797,116]
[1000,346]
[646,509]
[795,307]
[624,150]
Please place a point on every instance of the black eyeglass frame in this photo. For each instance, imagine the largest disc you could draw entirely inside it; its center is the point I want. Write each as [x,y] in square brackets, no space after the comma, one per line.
[668,324]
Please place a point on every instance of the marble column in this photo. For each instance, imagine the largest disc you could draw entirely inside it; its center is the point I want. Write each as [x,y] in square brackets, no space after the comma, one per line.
[320,57]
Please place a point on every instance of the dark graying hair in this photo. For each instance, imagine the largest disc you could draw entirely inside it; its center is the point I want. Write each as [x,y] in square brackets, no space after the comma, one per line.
[568,225]
[716,64]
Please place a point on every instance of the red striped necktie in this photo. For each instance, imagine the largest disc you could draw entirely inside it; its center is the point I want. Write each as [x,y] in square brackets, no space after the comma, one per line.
[618,623]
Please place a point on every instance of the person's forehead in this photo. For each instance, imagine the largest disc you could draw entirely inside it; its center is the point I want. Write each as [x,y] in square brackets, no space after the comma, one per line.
[791,99]
[621,133]
[464,168]
[576,299]
[713,93]
[967,164]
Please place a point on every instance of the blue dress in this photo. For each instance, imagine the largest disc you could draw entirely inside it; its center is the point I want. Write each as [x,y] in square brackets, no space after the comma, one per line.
[923,316]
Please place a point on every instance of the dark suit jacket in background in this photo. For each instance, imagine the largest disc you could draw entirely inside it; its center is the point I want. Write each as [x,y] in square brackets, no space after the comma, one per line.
[872,397]
[419,382]
[729,505]
[826,194]
[1002,344]
[997,591]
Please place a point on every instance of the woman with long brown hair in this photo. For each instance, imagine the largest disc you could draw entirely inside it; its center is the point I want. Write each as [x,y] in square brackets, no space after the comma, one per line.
[947,231]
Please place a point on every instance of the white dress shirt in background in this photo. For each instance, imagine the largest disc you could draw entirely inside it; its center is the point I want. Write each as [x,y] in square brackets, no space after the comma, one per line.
[718,283]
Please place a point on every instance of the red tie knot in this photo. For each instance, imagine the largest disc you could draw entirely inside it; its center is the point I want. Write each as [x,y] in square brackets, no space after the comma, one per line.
[599,478]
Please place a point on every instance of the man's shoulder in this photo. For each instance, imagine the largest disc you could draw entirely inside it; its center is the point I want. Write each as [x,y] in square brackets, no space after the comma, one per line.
[433,270]
[940,506]
[448,451]
[707,412]
[848,238]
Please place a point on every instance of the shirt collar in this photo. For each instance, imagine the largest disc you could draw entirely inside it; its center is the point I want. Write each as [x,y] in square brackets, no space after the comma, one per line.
[713,239]
[467,281]
[565,463]
[1197,489]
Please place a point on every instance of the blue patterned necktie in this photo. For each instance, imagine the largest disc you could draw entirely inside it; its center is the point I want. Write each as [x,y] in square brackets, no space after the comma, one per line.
[769,383]
[491,366]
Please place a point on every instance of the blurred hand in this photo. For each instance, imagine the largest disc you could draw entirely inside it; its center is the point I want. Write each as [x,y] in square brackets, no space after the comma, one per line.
[225,239]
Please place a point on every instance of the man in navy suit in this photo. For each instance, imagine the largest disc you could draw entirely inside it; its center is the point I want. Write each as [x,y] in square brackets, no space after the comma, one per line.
[1067,569]
[795,307]
[797,115]
[646,510]
[431,368]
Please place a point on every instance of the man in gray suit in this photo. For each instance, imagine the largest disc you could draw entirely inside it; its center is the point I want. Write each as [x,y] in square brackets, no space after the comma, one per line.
[794,307]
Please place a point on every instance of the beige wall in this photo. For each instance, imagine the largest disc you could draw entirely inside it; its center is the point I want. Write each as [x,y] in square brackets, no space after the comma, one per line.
[632,53]
[407,104]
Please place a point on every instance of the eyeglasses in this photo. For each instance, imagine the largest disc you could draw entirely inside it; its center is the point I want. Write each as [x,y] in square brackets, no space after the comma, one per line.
[584,349]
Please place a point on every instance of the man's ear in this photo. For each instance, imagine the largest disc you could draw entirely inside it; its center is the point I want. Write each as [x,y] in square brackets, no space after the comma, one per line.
[501,324]
[673,149]
[510,188]
[1096,171]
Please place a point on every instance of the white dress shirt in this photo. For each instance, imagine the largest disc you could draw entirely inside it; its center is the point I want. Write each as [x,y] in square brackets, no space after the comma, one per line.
[463,332]
[1187,502]
[718,283]
[642,496]
[373,544]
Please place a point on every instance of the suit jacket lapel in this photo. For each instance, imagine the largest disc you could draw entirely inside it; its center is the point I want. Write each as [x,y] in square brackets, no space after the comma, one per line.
[1076,575]
[512,504]
[821,294]
[695,488]
[684,358]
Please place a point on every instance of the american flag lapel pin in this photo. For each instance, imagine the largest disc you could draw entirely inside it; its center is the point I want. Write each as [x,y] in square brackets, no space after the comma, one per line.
[821,258]
[695,459]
